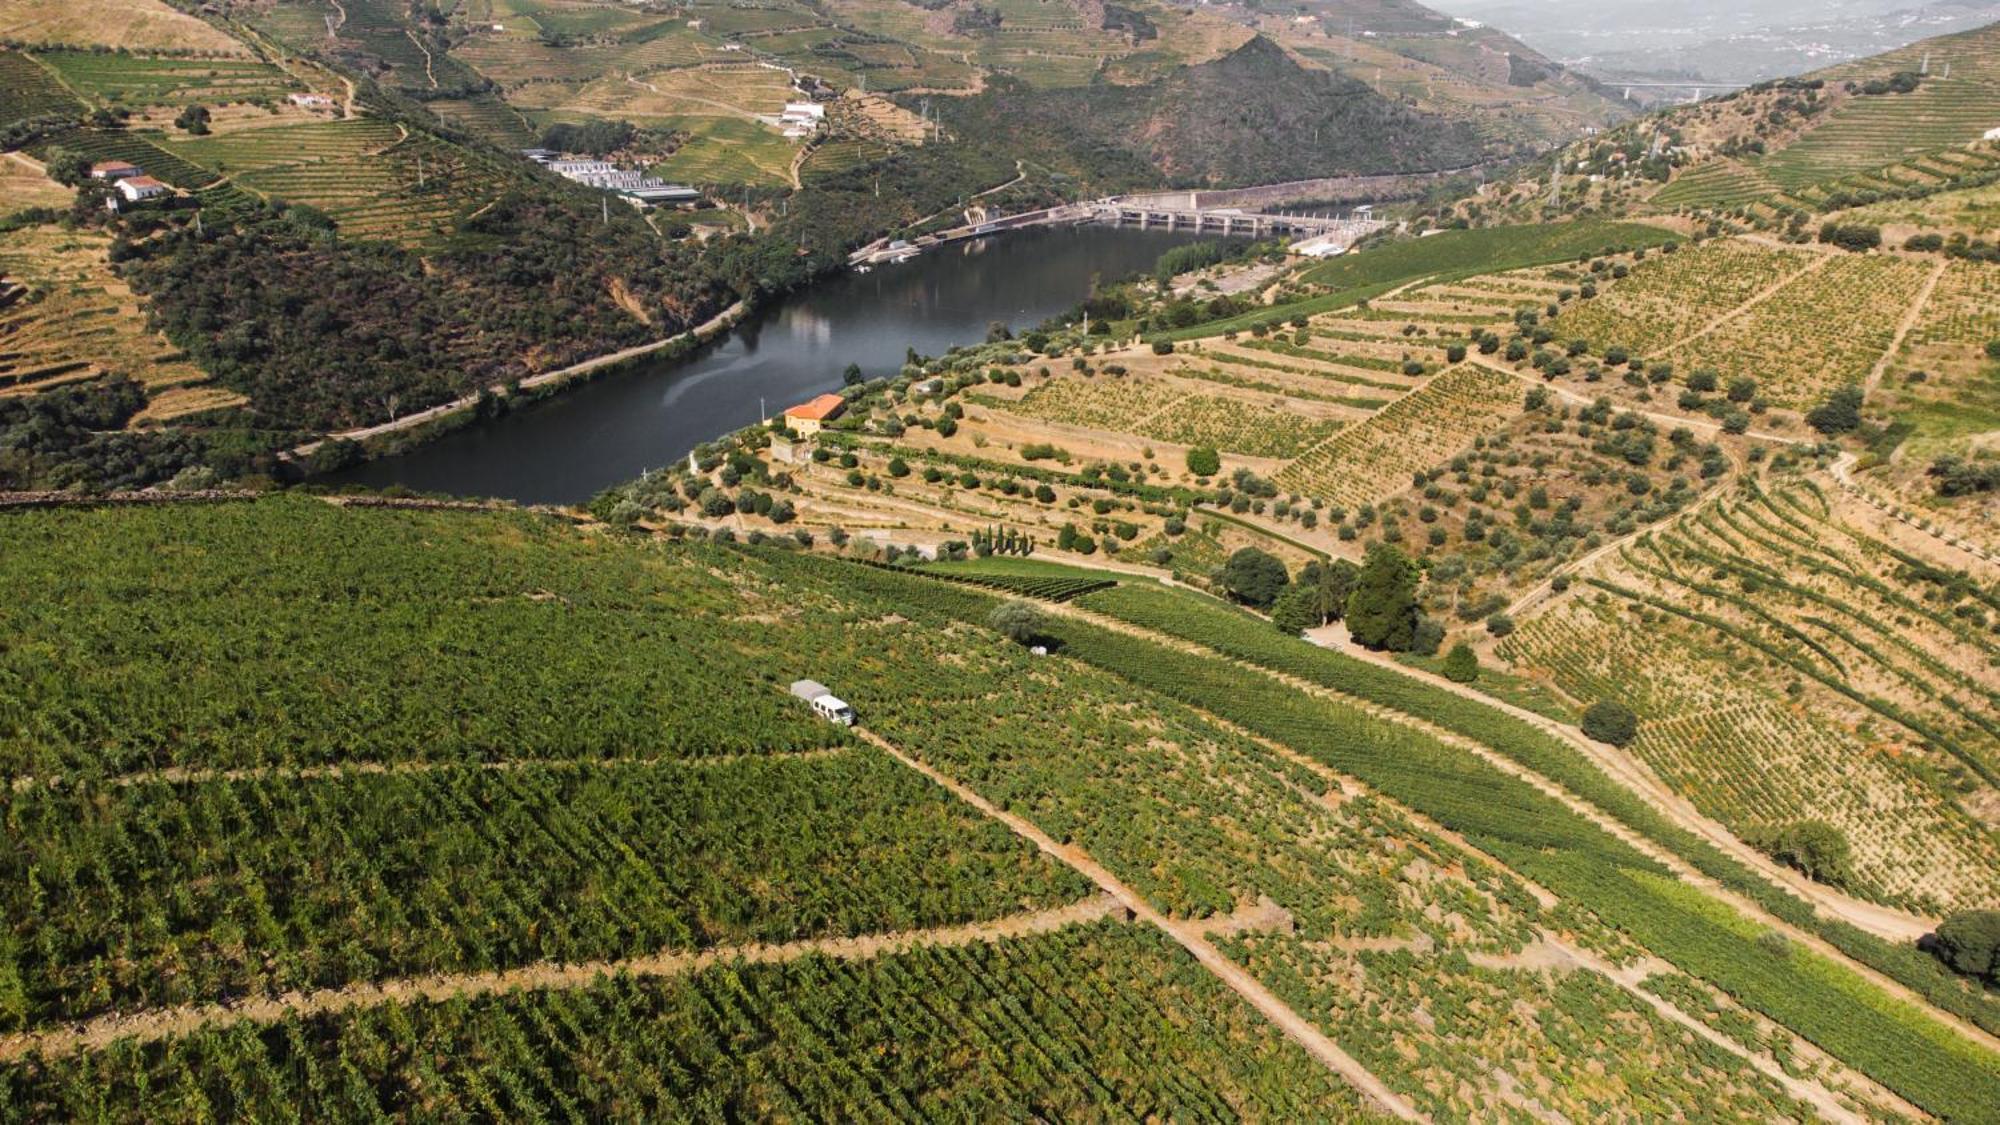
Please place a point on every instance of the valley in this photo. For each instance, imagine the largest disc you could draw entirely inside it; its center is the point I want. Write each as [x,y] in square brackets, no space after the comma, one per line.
[598,561]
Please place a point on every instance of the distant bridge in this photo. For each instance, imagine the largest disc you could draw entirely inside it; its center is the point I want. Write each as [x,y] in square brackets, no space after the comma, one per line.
[1192,211]
[1187,214]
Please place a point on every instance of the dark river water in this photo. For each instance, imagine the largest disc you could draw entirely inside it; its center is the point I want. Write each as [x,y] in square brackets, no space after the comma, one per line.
[569,447]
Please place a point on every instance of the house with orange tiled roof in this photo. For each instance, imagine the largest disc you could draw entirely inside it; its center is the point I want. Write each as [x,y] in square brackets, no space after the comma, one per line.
[807,418]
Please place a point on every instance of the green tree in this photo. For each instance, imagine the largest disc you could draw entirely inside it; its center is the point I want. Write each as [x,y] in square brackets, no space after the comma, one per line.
[1611,722]
[1969,942]
[1840,413]
[1461,664]
[1427,637]
[851,374]
[1294,611]
[1254,577]
[1330,583]
[1203,461]
[1019,621]
[1382,607]
[898,467]
[1814,848]
[66,166]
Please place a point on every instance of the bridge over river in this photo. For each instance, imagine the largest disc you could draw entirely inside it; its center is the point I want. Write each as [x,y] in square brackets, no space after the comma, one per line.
[1217,212]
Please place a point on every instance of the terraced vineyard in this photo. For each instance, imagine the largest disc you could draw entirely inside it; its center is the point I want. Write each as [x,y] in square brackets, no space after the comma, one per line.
[410,193]
[1790,667]
[1872,132]
[1053,588]
[1669,297]
[488,118]
[727,150]
[1821,330]
[24,185]
[1718,184]
[132,25]
[136,80]
[1144,407]
[1374,459]
[28,90]
[75,320]
[254,150]
[159,163]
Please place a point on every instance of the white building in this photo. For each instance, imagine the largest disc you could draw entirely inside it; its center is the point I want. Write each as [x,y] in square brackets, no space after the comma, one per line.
[606,176]
[136,188]
[802,118]
[311,101]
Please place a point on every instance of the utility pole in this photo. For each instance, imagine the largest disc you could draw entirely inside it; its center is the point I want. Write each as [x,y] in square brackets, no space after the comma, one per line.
[420,171]
[605,201]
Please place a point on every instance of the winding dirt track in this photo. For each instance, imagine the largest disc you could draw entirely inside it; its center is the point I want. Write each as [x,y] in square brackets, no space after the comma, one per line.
[1192,936]
[1866,915]
[171,1022]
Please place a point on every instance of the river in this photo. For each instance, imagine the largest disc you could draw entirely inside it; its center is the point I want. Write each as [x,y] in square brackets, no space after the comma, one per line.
[567,448]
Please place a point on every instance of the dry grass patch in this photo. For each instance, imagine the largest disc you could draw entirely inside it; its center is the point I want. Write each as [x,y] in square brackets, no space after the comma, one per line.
[139,25]
[23,184]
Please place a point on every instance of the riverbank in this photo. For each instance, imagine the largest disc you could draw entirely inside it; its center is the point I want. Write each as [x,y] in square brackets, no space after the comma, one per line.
[371,438]
[565,448]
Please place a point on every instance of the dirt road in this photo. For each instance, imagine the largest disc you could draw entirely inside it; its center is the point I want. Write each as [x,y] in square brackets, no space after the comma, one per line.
[1190,935]
[167,1023]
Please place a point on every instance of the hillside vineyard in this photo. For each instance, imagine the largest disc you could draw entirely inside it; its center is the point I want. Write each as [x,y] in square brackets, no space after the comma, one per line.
[1514,636]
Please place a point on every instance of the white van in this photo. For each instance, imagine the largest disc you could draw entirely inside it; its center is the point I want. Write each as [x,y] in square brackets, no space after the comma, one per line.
[824,703]
[833,710]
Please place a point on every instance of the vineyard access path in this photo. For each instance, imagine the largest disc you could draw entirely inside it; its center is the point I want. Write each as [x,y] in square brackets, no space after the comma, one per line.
[1190,935]
[165,1023]
[188,775]
[1858,913]
[1755,299]
[1903,326]
[1550,952]
[1842,471]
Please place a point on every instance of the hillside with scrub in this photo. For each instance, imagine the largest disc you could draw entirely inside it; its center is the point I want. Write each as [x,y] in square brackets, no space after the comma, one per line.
[418,783]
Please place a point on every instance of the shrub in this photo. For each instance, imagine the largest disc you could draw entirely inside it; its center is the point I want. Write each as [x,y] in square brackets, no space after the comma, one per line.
[1610,722]
[1461,664]
[1018,621]
[1427,637]
[1813,848]
[1203,461]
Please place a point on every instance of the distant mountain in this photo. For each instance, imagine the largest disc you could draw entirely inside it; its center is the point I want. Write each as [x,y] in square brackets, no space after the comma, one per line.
[1716,42]
[1906,124]
[1254,115]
